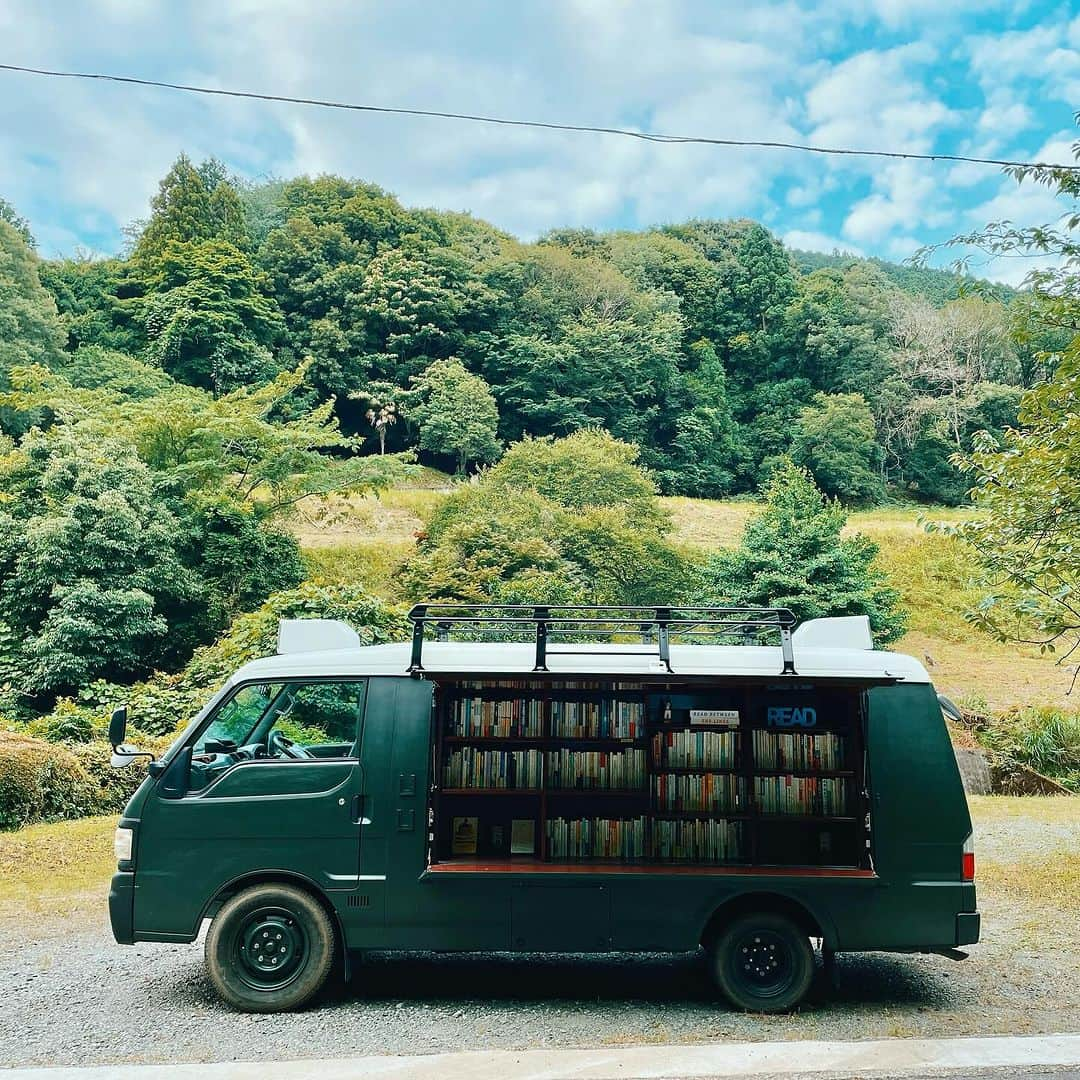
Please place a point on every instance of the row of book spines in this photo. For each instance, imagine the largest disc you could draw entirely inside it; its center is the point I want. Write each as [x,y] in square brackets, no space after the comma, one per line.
[800,795]
[706,841]
[797,750]
[623,770]
[597,838]
[494,769]
[597,719]
[700,749]
[504,685]
[697,793]
[638,838]
[523,717]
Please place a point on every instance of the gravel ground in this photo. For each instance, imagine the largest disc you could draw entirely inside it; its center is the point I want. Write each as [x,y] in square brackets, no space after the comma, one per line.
[71,996]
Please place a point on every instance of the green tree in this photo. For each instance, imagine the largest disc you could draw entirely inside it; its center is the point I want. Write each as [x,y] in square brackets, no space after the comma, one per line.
[838,328]
[572,520]
[29,328]
[456,414]
[9,214]
[588,470]
[793,555]
[185,211]
[88,556]
[222,473]
[97,300]
[208,321]
[836,441]
[1027,484]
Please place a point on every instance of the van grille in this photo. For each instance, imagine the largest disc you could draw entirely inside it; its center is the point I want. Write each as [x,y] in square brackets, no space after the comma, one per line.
[359,901]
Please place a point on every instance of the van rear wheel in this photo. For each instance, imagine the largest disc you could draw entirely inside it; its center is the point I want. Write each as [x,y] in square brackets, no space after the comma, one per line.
[270,948]
[762,963]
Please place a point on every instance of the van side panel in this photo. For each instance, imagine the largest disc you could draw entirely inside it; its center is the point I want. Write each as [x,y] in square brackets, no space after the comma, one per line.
[919,819]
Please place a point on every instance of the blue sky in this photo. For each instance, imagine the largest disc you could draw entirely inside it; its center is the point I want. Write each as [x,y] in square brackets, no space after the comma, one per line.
[983,77]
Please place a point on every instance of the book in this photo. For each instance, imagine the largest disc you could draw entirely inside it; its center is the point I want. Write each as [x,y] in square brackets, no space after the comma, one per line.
[697,793]
[615,770]
[696,841]
[522,836]
[597,838]
[465,835]
[819,795]
[473,768]
[798,750]
[607,719]
[481,718]
[695,749]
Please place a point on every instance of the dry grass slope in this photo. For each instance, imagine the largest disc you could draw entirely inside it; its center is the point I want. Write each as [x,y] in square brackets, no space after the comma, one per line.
[367,538]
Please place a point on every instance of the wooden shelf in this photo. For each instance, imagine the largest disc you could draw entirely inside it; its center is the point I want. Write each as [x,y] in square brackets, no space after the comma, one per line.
[489,791]
[802,817]
[763,841]
[693,770]
[493,740]
[525,864]
[639,743]
[636,793]
[826,773]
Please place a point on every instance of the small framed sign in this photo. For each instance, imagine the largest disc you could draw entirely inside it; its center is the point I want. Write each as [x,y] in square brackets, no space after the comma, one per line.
[714,717]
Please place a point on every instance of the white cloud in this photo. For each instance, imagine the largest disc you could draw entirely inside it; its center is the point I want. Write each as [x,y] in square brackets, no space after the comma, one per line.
[80,159]
[816,241]
[908,195]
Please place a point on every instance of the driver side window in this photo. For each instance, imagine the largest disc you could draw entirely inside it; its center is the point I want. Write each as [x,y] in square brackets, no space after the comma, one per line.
[320,718]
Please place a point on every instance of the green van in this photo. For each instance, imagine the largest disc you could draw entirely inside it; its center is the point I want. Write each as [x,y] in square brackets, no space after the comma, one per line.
[594,780]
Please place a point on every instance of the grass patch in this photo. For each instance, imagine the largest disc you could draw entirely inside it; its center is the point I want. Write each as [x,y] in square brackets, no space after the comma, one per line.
[1053,881]
[370,563]
[56,869]
[1046,809]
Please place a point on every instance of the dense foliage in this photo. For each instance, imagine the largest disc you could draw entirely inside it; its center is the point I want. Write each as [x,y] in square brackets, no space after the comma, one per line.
[705,343]
[793,555]
[139,514]
[1027,537]
[570,521]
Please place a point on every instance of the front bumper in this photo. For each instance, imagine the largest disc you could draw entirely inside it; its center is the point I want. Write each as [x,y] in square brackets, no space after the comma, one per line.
[968,924]
[122,907]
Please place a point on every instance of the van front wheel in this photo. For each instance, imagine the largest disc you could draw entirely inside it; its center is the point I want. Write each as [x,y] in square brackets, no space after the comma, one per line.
[270,948]
[762,963]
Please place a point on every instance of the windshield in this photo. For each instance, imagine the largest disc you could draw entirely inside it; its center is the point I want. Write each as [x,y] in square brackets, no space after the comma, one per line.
[238,718]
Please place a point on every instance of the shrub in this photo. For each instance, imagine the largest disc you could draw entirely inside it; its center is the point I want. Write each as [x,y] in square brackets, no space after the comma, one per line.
[40,781]
[793,555]
[111,788]
[1044,739]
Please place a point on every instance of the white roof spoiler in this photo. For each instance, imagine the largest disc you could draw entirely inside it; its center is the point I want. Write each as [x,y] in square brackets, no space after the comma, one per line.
[315,635]
[838,632]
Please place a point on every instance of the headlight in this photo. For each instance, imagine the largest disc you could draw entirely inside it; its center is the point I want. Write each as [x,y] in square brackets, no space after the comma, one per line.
[122,843]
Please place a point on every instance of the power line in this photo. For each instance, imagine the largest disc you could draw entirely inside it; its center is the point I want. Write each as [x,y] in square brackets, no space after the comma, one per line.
[647,136]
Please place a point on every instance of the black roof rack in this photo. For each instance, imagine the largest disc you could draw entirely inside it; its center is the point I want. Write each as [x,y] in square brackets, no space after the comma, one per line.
[655,625]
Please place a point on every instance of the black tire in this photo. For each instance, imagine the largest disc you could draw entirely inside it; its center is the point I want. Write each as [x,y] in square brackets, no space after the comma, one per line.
[762,963]
[270,948]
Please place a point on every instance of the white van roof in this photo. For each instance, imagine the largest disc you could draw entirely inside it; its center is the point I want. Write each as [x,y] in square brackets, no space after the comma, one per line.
[836,648]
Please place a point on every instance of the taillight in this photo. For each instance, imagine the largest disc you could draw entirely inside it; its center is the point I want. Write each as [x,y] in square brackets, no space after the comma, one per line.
[967,860]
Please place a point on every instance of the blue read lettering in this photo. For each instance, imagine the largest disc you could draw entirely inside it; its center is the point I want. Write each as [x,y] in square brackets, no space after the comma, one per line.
[782,716]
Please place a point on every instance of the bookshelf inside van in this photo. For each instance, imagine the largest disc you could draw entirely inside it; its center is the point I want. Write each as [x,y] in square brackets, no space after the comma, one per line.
[620,772]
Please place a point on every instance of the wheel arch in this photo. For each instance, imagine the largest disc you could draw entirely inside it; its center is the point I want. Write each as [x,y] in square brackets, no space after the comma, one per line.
[813,923]
[278,877]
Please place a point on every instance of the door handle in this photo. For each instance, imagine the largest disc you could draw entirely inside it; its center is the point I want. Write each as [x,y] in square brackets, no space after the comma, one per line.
[357,808]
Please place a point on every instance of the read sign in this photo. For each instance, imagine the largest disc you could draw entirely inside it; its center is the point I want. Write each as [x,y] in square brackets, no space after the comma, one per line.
[784,716]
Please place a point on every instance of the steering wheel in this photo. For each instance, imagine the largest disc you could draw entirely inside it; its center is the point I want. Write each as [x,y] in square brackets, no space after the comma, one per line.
[281,746]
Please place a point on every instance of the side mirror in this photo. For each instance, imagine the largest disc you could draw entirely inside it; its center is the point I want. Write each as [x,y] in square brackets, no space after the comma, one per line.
[122,756]
[118,727]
